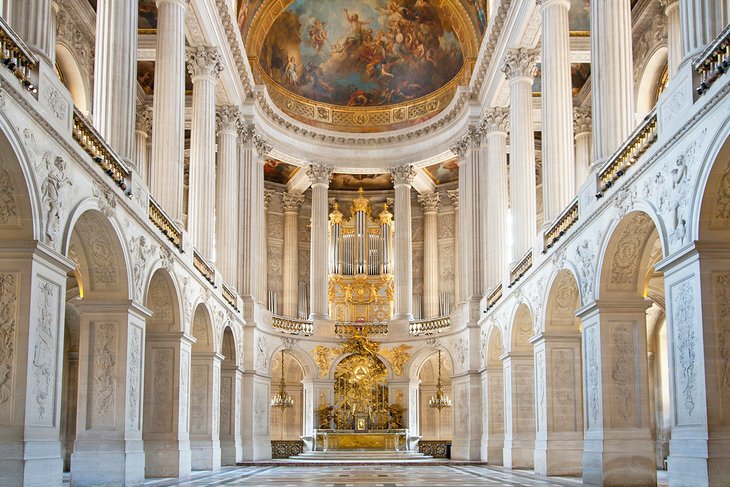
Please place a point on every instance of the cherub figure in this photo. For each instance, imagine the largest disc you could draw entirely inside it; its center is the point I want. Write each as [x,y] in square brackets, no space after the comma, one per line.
[318,35]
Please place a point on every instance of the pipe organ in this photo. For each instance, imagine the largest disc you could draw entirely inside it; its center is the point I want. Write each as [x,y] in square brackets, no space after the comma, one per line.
[361,263]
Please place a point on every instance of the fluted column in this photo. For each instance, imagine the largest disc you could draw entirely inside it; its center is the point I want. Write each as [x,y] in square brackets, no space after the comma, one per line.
[458,270]
[204,65]
[674,35]
[519,66]
[701,21]
[402,177]
[143,129]
[613,83]
[32,21]
[430,204]
[115,73]
[166,173]
[582,125]
[495,125]
[268,194]
[557,109]
[228,123]
[291,202]
[252,249]
[320,175]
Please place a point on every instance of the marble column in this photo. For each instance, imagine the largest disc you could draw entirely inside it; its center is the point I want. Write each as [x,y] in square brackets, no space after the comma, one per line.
[519,410]
[143,129]
[430,204]
[701,21]
[617,448]
[204,65]
[268,194]
[674,36]
[168,122]
[320,175]
[612,74]
[32,20]
[453,195]
[519,66]
[205,376]
[559,405]
[558,168]
[402,177]
[108,447]
[226,193]
[495,125]
[291,202]
[115,74]
[582,126]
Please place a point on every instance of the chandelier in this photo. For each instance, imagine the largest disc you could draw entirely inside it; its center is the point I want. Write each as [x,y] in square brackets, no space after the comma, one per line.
[439,400]
[282,399]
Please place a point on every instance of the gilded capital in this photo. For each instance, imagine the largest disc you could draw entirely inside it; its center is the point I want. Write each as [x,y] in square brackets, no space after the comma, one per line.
[320,174]
[291,201]
[203,61]
[227,118]
[582,121]
[520,63]
[402,174]
[496,119]
[429,202]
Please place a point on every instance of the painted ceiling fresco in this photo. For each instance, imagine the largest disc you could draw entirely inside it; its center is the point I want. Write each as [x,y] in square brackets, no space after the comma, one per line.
[278,171]
[368,182]
[356,53]
[579,74]
[444,172]
[578,17]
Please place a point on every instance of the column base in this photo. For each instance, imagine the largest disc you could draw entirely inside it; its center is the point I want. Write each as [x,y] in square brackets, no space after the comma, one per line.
[319,317]
[95,466]
[31,463]
[403,316]
[690,466]
[231,452]
[519,454]
[559,457]
[167,458]
[619,463]
[492,450]
[205,455]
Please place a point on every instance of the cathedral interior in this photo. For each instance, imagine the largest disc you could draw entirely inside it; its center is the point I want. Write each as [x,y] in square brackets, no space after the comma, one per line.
[365,242]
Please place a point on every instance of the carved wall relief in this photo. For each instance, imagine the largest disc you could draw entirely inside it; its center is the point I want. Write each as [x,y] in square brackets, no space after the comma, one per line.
[104,375]
[623,374]
[524,392]
[685,349]
[260,409]
[721,213]
[593,379]
[134,376]
[44,352]
[8,326]
[565,392]
[496,404]
[627,256]
[162,389]
[275,265]
[541,383]
[159,301]
[721,294]
[184,394]
[586,255]
[226,410]
[9,214]
[199,399]
[99,253]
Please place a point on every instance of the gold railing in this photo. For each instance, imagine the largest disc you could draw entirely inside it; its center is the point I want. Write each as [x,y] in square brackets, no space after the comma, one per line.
[344,329]
[714,61]
[567,219]
[520,269]
[293,326]
[229,295]
[93,144]
[640,140]
[430,326]
[203,267]
[158,216]
[494,296]
[17,57]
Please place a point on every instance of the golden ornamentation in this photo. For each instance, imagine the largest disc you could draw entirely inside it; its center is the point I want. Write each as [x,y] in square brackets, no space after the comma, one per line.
[386,217]
[336,215]
[360,203]
[361,297]
[397,356]
[322,359]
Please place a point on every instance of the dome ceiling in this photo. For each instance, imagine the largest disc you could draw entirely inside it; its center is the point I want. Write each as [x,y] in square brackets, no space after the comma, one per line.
[362,66]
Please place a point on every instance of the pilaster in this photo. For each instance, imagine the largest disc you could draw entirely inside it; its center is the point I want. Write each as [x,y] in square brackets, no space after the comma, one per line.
[228,123]
[291,202]
[430,203]
[402,177]
[320,175]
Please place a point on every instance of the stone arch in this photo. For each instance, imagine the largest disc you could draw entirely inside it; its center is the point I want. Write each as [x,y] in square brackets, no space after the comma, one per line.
[19,198]
[203,330]
[711,215]
[73,77]
[563,300]
[521,330]
[434,425]
[162,299]
[649,79]
[493,384]
[288,424]
[421,356]
[230,345]
[309,368]
[495,347]
[95,245]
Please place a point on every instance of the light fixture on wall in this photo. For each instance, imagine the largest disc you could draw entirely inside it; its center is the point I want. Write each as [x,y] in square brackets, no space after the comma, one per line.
[439,400]
[282,399]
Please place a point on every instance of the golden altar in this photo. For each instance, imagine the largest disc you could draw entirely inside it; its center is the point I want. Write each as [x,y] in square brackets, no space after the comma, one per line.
[343,440]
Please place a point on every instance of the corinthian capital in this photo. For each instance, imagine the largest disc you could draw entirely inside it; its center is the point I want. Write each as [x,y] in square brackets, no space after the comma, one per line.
[582,120]
[430,202]
[495,119]
[520,63]
[144,119]
[402,174]
[203,61]
[291,201]
[260,144]
[470,140]
[227,118]
[453,195]
[320,174]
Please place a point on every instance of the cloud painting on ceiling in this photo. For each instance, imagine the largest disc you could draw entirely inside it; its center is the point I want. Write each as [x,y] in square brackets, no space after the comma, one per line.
[579,17]
[147,20]
[361,53]
[444,172]
[278,172]
[368,182]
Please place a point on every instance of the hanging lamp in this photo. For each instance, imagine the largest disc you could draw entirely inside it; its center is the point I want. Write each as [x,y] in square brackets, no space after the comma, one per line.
[439,400]
[282,399]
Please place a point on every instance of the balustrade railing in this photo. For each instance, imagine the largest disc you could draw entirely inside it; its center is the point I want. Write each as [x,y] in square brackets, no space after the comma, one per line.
[94,144]
[520,269]
[640,140]
[202,266]
[494,296]
[158,216]
[713,62]
[292,326]
[429,326]
[344,329]
[567,219]
[17,57]
[229,295]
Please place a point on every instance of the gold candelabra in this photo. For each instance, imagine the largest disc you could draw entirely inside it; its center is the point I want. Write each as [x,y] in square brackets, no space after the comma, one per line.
[282,399]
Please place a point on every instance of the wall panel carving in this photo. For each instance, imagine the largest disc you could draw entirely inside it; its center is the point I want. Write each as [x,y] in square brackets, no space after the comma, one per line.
[104,375]
[685,349]
[623,374]
[8,326]
[134,376]
[162,389]
[721,294]
[45,345]
[8,205]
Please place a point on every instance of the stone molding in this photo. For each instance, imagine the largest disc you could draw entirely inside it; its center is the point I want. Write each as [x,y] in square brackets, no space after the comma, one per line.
[203,61]
[520,63]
